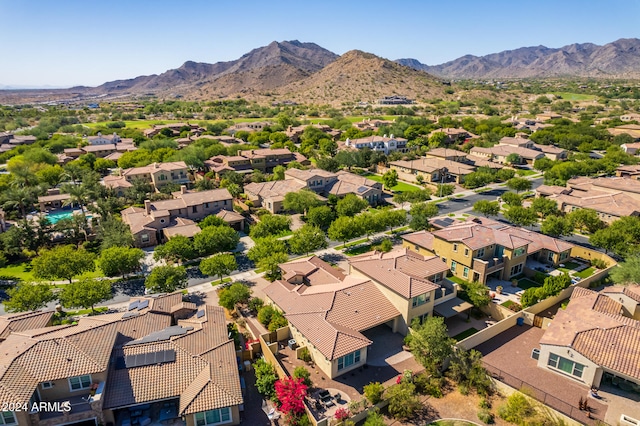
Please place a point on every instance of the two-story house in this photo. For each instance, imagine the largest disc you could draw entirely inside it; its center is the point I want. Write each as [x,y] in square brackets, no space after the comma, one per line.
[432,170]
[159,220]
[246,161]
[147,364]
[413,283]
[379,143]
[330,312]
[480,248]
[157,174]
[339,184]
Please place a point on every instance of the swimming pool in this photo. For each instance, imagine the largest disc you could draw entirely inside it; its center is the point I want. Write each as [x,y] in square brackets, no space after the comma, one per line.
[58,216]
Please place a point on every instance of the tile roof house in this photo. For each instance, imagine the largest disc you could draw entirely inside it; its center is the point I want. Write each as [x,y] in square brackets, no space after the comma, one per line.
[157,174]
[378,143]
[412,282]
[631,148]
[53,200]
[160,220]
[328,311]
[594,340]
[454,134]
[113,139]
[246,161]
[432,169]
[632,171]
[632,130]
[499,153]
[447,154]
[339,184]
[480,248]
[114,368]
[611,197]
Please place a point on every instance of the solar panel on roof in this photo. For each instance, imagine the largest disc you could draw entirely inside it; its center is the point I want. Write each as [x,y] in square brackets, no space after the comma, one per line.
[143,304]
[133,305]
[362,189]
[150,358]
[130,315]
[200,313]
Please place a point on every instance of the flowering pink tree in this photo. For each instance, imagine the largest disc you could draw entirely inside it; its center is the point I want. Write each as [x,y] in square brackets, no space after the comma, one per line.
[342,414]
[291,393]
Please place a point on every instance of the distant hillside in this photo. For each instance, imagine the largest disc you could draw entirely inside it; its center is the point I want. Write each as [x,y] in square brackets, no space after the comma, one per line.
[296,57]
[359,76]
[619,59]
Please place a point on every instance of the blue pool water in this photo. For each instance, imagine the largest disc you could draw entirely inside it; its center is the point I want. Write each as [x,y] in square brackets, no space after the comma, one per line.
[58,216]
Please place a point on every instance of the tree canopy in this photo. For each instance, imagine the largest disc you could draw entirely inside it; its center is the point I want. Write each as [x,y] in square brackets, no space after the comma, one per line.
[120,261]
[28,297]
[220,264]
[63,262]
[85,293]
[166,279]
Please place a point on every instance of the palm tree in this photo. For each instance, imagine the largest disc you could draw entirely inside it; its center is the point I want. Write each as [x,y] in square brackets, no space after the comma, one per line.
[77,195]
[19,197]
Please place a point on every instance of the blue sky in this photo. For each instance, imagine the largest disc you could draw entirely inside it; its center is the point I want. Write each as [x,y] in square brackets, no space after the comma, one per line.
[72,42]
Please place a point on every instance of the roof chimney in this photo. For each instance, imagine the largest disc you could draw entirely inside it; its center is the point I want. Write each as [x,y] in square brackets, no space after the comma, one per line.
[147,207]
[155,165]
[183,189]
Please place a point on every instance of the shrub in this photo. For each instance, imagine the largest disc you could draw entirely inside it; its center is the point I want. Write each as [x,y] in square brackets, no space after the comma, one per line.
[426,385]
[342,414]
[304,354]
[484,403]
[403,401]
[373,392]
[463,388]
[516,409]
[302,373]
[265,313]
[255,304]
[599,263]
[486,416]
[355,407]
[265,378]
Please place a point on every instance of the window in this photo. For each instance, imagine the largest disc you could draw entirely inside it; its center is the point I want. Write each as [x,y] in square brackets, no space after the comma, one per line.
[206,205]
[455,247]
[565,365]
[480,253]
[80,382]
[564,255]
[420,300]
[144,238]
[194,209]
[550,256]
[162,177]
[416,247]
[535,353]
[8,418]
[213,417]
[465,272]
[453,266]
[436,278]
[519,251]
[348,360]
[46,385]
[516,270]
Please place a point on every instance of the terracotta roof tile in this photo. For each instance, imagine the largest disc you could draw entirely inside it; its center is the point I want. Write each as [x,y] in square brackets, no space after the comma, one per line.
[23,321]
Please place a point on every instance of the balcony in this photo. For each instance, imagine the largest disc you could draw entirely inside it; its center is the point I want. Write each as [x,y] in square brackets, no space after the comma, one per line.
[447,291]
[484,267]
[78,403]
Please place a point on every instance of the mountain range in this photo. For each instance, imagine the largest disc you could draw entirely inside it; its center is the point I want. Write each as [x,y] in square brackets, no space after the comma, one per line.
[308,73]
[619,59]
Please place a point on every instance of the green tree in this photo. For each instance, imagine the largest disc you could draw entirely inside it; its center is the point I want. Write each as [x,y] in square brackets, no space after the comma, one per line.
[28,297]
[300,372]
[307,239]
[556,226]
[120,261]
[622,236]
[351,205]
[236,293]
[521,216]
[519,184]
[373,392]
[430,343]
[445,189]
[85,293]
[278,173]
[403,400]
[392,218]
[301,201]
[220,264]
[344,229]
[265,378]
[114,233]
[420,215]
[62,262]
[321,216]
[166,279]
[390,178]
[265,247]
[178,249]
[585,220]
[545,207]
[627,272]
[512,199]
[478,293]
[543,164]
[271,264]
[487,208]
[215,239]
[466,369]
[211,220]
[512,159]
[370,223]
[269,225]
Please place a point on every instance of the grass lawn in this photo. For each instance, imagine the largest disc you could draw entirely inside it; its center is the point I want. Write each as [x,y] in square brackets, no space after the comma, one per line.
[508,303]
[358,250]
[22,271]
[525,283]
[464,335]
[568,266]
[397,230]
[217,281]
[97,310]
[457,280]
[524,172]
[353,243]
[586,273]
[400,187]
[574,96]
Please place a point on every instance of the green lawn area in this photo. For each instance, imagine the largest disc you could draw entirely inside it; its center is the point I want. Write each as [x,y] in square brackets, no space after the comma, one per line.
[400,187]
[568,266]
[457,280]
[465,334]
[397,230]
[508,303]
[526,283]
[568,96]
[525,172]
[353,243]
[586,273]
[358,250]
[22,271]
